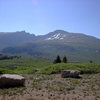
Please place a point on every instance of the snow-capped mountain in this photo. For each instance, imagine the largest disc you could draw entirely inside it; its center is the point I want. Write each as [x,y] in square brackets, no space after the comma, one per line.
[8,39]
[58,36]
[76,46]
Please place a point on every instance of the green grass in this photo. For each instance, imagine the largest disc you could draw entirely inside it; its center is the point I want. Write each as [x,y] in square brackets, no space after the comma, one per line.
[31,61]
[27,66]
[84,68]
[22,65]
[6,71]
[25,70]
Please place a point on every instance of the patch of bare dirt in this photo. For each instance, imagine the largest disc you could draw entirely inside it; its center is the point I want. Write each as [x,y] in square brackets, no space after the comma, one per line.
[53,87]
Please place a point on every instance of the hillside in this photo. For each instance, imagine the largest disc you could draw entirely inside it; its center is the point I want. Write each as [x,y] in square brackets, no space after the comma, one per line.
[77,47]
[15,38]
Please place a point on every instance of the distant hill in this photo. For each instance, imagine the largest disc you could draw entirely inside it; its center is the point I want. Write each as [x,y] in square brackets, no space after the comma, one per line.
[8,39]
[77,47]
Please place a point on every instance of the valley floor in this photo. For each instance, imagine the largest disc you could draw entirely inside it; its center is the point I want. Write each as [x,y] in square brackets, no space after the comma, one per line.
[53,87]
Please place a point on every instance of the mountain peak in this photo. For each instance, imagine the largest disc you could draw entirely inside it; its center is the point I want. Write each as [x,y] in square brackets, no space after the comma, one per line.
[56,35]
[60,31]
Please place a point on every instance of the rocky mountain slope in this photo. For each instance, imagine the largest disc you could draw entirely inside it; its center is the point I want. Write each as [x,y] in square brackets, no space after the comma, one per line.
[77,47]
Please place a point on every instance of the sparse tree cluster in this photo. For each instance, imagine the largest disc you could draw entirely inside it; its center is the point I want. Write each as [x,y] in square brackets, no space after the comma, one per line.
[58,60]
[5,57]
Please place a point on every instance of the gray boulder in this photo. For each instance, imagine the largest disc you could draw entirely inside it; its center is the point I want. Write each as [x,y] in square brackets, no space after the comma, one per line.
[70,73]
[11,80]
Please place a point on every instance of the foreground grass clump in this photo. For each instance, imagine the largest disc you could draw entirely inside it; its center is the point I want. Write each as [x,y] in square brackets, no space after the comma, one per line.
[84,68]
[6,71]
[25,70]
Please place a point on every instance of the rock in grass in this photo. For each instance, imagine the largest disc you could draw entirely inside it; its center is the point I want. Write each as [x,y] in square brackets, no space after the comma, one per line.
[70,73]
[36,70]
[11,80]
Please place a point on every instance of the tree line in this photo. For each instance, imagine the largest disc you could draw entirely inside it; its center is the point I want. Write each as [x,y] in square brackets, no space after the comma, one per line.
[58,60]
[5,57]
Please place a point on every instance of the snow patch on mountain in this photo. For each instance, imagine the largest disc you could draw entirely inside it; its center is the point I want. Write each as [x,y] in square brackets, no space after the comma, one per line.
[58,36]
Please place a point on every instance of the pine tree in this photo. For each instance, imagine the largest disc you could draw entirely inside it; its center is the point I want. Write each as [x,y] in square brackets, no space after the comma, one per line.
[57,60]
[65,59]
[91,61]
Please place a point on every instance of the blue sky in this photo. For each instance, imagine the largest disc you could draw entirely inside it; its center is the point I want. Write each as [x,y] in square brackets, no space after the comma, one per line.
[43,16]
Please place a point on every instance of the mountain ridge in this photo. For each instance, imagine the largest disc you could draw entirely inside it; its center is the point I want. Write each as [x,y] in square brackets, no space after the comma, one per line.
[76,46]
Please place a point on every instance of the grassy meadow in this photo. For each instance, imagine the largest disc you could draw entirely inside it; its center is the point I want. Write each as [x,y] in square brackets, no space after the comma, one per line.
[22,65]
[29,64]
[47,84]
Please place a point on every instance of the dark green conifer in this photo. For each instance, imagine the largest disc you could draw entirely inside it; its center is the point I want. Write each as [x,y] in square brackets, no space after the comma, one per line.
[65,59]
[57,60]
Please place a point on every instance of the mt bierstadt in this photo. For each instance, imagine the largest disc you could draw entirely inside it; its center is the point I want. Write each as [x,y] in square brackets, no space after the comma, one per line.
[76,46]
